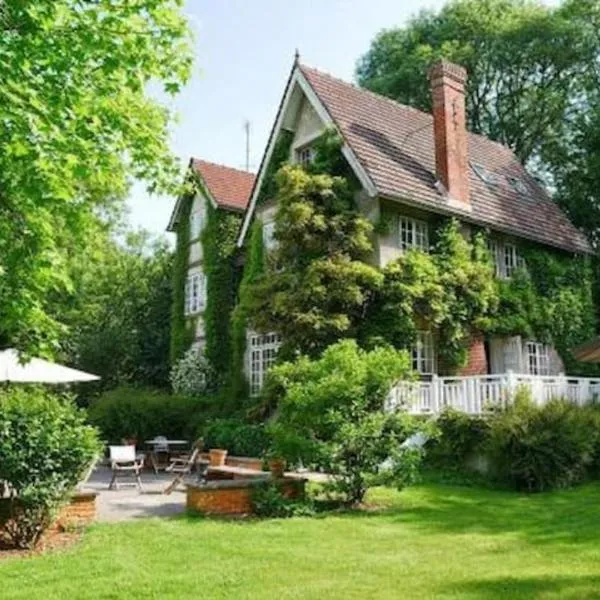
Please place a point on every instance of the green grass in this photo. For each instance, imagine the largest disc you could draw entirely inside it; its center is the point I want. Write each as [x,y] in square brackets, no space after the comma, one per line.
[427,542]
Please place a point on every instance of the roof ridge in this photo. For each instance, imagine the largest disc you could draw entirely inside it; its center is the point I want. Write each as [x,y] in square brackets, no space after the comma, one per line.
[394,102]
[222,166]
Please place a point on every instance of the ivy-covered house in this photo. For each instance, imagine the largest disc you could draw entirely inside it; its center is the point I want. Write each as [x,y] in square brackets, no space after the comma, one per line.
[414,169]
[206,220]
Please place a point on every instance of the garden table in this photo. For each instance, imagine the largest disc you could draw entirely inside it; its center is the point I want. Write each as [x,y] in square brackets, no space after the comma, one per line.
[163,445]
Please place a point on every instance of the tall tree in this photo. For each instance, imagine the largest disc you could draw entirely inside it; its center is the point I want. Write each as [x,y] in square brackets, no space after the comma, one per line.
[527,64]
[76,124]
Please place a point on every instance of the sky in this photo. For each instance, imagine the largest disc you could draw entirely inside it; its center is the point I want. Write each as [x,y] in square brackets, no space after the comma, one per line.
[244,52]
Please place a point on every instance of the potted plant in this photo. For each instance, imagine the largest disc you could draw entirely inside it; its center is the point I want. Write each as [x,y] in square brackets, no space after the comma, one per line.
[217,457]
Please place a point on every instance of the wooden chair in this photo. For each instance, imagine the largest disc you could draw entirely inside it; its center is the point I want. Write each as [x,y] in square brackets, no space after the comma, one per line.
[124,463]
[182,466]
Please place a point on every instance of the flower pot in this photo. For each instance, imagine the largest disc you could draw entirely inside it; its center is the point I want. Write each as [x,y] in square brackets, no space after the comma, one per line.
[277,467]
[217,457]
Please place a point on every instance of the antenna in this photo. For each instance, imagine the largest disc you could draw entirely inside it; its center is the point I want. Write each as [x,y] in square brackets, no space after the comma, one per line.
[247,130]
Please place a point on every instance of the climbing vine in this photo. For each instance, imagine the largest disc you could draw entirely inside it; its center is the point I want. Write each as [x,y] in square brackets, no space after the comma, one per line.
[279,156]
[219,250]
[181,333]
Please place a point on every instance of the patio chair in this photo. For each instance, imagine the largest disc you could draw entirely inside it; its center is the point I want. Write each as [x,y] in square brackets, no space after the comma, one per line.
[182,466]
[124,463]
[159,446]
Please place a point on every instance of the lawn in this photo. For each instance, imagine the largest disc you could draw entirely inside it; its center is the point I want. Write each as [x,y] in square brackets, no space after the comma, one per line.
[427,542]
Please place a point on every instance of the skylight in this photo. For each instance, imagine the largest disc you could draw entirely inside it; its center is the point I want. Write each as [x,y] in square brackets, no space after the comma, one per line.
[517,185]
[486,175]
[492,178]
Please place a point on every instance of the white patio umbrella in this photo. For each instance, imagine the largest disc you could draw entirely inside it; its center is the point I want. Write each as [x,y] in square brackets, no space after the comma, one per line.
[37,370]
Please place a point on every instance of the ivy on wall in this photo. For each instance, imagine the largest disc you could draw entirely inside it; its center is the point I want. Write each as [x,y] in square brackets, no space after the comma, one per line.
[181,330]
[253,268]
[279,156]
[219,250]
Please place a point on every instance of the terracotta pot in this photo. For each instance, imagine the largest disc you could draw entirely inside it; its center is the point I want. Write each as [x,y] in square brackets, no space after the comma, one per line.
[217,457]
[277,467]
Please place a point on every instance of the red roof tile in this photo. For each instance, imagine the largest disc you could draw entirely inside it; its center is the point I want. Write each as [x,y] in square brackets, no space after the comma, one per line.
[231,188]
[395,145]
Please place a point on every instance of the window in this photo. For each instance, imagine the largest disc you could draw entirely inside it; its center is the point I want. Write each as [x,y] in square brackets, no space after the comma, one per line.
[413,234]
[196,221]
[517,185]
[194,293]
[423,353]
[538,358]
[485,175]
[269,241]
[304,156]
[262,351]
[505,257]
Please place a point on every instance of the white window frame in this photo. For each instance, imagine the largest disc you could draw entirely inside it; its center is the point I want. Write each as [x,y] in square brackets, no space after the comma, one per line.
[305,155]
[262,351]
[196,224]
[413,234]
[423,355]
[506,258]
[269,241]
[537,358]
[195,293]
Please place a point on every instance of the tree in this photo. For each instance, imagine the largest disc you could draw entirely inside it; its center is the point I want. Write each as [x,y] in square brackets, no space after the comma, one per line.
[76,125]
[527,64]
[317,284]
[118,314]
[330,413]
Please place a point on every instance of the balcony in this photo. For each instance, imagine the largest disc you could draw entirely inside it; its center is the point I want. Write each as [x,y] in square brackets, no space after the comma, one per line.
[478,395]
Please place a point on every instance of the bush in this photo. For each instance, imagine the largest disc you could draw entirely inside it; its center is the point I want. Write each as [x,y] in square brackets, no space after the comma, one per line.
[540,448]
[142,413]
[192,375]
[330,413]
[237,437]
[460,437]
[45,448]
[268,501]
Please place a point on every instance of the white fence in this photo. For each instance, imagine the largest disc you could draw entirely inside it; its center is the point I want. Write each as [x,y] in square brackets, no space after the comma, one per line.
[479,394]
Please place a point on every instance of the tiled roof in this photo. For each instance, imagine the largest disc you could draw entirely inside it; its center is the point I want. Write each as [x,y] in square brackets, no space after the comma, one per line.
[231,188]
[395,145]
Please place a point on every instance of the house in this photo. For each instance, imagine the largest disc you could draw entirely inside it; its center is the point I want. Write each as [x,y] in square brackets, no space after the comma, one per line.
[224,189]
[413,166]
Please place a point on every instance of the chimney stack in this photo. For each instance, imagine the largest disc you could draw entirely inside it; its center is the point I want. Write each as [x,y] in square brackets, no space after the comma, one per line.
[450,130]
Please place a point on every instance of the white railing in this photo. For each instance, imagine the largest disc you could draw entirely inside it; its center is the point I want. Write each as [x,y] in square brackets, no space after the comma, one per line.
[479,394]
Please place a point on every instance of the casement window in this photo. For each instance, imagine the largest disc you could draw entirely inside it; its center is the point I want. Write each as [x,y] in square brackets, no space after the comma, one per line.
[305,155]
[196,223]
[506,258]
[537,358]
[269,241]
[195,293]
[262,351]
[423,353]
[413,234]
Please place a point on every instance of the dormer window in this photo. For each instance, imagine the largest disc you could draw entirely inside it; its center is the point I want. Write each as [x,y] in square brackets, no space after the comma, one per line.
[305,156]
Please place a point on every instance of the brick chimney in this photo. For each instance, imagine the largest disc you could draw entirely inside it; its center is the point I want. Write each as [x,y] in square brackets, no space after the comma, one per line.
[450,130]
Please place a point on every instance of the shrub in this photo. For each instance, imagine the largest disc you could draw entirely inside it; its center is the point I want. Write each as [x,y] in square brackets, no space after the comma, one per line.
[540,448]
[330,413]
[459,437]
[237,437]
[142,413]
[45,448]
[268,501]
[192,375]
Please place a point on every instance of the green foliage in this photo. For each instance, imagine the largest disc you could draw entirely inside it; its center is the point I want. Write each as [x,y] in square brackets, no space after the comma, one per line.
[269,501]
[118,311]
[460,438]
[279,156]
[550,301]
[330,413]
[192,375]
[318,282]
[255,264]
[77,125]
[238,437]
[181,332]
[541,448]
[219,249]
[143,413]
[45,447]
[451,291]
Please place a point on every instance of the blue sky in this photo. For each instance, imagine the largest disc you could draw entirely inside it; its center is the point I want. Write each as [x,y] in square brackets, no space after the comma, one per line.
[244,51]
